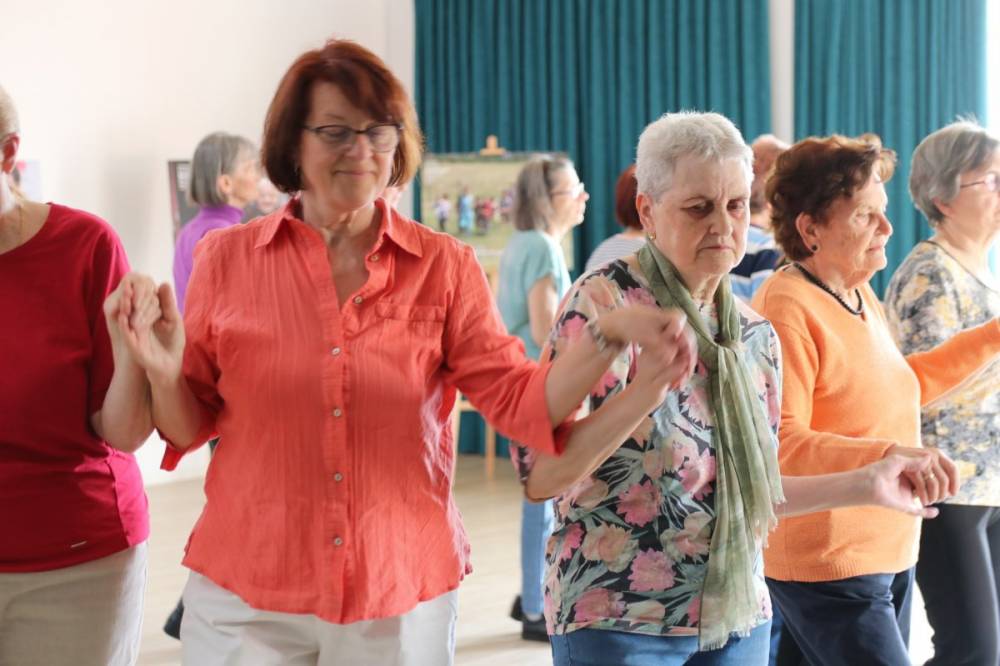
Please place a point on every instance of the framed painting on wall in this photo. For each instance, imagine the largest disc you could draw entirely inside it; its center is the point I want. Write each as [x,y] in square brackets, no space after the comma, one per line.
[471,197]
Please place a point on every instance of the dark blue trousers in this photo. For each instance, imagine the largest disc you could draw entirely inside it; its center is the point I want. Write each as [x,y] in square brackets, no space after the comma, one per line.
[864,620]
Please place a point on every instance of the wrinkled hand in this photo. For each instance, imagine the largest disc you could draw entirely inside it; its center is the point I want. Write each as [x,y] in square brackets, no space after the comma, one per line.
[890,485]
[669,351]
[933,482]
[134,302]
[642,325]
[151,327]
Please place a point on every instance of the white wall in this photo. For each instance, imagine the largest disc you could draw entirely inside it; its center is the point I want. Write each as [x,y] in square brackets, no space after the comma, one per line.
[782,36]
[108,92]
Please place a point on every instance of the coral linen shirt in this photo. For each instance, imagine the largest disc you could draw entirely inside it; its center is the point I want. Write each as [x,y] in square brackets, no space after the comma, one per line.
[330,490]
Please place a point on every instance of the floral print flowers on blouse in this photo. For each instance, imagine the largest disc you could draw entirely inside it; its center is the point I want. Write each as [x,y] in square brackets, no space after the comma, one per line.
[630,548]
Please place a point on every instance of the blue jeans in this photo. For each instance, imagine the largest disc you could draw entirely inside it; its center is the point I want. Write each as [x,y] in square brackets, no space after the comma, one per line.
[536,528]
[857,620]
[598,647]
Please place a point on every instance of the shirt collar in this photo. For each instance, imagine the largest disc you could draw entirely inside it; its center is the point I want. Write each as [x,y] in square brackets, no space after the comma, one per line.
[397,228]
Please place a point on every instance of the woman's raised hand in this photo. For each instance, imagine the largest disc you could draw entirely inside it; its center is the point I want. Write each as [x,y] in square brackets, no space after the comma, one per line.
[145,318]
[133,300]
[669,351]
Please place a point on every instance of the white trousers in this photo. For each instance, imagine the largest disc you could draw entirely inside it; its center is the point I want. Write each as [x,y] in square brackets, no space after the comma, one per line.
[220,629]
[90,613]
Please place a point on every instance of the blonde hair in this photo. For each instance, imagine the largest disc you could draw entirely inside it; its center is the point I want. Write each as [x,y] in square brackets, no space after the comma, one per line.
[9,125]
[8,114]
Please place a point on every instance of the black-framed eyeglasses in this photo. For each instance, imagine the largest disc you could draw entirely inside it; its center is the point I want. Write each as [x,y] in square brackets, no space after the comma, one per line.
[383,137]
[991,181]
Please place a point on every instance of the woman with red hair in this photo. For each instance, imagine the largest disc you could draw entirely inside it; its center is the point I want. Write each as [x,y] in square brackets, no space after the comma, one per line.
[324,344]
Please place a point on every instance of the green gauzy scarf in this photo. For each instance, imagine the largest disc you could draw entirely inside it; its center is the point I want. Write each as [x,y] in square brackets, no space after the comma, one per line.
[748,482]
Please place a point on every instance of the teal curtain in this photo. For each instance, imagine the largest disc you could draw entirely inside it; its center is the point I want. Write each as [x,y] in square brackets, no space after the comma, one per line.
[584,77]
[899,68]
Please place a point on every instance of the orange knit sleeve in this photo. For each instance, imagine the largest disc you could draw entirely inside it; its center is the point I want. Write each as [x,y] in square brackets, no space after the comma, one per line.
[949,364]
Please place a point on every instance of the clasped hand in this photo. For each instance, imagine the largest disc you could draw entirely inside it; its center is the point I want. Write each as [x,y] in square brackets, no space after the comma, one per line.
[669,350]
[144,322]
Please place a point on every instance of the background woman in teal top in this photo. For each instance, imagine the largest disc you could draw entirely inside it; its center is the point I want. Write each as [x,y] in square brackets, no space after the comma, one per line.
[549,201]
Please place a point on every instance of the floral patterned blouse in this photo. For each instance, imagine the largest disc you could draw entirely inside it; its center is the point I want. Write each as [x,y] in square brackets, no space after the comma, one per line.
[930,298]
[630,548]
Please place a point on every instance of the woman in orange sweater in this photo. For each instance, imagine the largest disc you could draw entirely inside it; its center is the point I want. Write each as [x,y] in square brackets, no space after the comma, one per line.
[842,578]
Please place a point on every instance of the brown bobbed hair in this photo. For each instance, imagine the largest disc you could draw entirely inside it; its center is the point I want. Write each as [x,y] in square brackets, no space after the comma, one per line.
[625,192]
[366,81]
[811,175]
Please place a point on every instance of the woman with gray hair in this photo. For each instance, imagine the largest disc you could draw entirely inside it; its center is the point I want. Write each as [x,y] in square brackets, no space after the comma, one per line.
[666,494]
[943,287]
[549,200]
[225,172]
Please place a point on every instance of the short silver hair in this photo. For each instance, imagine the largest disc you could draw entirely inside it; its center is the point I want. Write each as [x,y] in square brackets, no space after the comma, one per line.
[533,192]
[686,134]
[940,160]
[217,154]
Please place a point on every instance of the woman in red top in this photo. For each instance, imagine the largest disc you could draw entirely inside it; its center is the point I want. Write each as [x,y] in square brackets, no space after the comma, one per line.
[324,344]
[72,507]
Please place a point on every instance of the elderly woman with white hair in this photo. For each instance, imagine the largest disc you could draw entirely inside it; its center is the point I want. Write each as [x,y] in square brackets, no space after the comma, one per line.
[666,494]
[945,286]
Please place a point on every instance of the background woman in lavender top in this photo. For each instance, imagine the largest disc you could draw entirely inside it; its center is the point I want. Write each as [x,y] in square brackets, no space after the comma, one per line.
[225,172]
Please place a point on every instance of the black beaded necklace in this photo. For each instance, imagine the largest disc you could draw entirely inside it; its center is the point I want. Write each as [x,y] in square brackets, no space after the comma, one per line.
[822,285]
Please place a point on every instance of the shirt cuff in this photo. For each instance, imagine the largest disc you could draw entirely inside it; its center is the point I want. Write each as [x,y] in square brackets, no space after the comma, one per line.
[173,454]
[543,437]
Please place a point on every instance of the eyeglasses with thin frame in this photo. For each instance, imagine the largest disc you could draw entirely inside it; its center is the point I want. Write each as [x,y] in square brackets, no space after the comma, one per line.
[382,137]
[991,181]
[573,192]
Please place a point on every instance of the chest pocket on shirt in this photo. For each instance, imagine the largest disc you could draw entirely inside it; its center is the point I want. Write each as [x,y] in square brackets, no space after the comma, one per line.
[411,335]
[429,318]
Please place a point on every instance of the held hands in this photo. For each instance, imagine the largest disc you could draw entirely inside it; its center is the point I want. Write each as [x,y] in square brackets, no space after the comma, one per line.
[145,320]
[937,478]
[909,479]
[132,303]
[669,349]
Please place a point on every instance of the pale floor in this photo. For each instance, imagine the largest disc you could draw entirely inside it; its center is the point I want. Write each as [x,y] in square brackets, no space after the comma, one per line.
[485,635]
